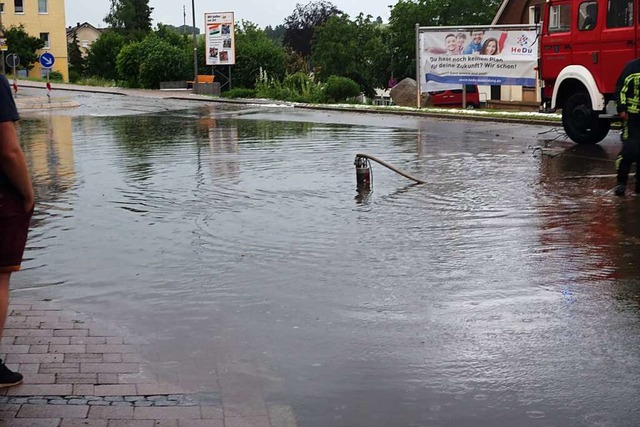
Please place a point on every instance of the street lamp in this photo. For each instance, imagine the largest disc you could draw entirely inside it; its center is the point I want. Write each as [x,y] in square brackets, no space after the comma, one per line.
[195,48]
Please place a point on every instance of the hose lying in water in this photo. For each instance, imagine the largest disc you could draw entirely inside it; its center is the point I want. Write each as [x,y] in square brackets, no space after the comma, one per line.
[363,171]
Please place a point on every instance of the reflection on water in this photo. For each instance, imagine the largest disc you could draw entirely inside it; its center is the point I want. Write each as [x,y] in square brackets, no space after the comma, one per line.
[502,292]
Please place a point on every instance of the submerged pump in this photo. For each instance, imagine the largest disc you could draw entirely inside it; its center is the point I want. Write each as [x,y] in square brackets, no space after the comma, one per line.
[364,173]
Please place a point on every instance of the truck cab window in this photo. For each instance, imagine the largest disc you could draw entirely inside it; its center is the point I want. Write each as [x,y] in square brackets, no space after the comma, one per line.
[587,16]
[560,18]
[619,13]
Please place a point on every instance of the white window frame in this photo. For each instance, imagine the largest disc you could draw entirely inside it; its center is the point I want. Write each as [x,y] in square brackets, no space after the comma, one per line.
[46,7]
[556,16]
[15,6]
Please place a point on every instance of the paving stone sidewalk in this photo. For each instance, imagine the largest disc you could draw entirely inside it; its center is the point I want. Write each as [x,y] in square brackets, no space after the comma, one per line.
[81,373]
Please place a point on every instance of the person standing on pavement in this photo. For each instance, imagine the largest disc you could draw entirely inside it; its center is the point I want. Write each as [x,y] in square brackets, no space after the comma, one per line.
[16,208]
[628,92]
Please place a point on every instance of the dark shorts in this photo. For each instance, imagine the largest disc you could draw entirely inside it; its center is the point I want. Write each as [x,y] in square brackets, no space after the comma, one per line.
[14,226]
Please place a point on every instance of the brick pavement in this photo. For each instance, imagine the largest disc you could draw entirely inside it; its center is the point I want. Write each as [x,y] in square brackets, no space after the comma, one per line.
[82,373]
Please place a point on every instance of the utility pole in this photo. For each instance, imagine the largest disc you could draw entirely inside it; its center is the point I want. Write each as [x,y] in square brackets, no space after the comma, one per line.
[195,48]
[184,19]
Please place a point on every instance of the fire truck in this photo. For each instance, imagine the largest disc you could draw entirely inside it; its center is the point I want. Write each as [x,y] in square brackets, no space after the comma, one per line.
[584,45]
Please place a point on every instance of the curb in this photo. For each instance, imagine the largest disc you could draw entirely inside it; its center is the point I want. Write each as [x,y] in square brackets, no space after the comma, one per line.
[454,115]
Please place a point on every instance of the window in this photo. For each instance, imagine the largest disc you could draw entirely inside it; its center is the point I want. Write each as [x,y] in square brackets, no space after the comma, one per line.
[587,16]
[1,7]
[560,18]
[18,6]
[45,37]
[619,13]
[85,44]
[534,14]
[43,6]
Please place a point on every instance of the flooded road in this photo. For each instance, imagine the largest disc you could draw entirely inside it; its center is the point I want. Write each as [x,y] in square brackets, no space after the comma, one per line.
[505,291]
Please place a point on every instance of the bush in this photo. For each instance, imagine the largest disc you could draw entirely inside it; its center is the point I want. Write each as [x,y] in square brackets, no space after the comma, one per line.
[298,87]
[55,76]
[340,89]
[74,76]
[128,64]
[239,92]
[96,81]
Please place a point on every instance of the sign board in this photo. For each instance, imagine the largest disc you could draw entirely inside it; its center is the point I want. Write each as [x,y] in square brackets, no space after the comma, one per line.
[489,56]
[3,44]
[13,60]
[47,60]
[220,38]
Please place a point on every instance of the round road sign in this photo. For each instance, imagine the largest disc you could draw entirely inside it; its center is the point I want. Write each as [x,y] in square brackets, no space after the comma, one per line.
[47,60]
[13,60]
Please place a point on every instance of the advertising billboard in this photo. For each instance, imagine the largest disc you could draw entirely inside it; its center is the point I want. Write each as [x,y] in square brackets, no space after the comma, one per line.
[479,56]
[220,39]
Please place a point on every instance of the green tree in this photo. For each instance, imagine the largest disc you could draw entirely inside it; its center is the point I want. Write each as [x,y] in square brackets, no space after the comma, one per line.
[23,45]
[164,63]
[154,60]
[128,64]
[131,18]
[275,34]
[302,23]
[255,52]
[173,36]
[355,49]
[75,58]
[405,14]
[101,60]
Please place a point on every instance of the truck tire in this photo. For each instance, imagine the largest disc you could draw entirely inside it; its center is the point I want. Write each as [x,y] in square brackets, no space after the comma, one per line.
[580,122]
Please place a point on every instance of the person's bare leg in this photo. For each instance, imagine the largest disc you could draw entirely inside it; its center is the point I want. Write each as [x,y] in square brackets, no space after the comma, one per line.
[4,299]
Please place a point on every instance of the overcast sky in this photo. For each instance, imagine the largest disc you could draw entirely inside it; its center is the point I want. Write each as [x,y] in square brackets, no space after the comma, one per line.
[261,12]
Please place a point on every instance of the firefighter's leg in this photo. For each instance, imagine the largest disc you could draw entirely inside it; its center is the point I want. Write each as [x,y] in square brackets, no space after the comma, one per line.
[629,152]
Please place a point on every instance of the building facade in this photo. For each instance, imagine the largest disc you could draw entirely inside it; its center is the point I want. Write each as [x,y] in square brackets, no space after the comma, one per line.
[86,34]
[44,19]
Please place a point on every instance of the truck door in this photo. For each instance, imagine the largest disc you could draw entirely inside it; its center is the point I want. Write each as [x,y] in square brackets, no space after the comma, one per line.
[618,40]
[586,36]
[556,40]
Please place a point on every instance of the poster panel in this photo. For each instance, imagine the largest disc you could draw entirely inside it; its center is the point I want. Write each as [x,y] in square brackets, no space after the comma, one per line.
[484,57]
[220,38]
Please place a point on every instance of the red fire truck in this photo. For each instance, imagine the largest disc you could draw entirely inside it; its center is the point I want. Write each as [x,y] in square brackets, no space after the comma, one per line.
[584,46]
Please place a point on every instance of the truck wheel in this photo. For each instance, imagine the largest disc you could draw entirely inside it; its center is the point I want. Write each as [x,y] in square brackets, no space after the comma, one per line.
[580,122]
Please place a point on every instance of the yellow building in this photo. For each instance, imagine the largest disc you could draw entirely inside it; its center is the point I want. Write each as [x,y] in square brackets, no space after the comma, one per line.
[44,19]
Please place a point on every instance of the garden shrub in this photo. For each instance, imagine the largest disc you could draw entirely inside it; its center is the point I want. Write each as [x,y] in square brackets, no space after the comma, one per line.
[239,92]
[340,89]
[55,76]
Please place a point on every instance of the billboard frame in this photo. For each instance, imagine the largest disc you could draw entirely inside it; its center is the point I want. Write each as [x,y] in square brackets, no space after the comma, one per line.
[468,28]
[220,42]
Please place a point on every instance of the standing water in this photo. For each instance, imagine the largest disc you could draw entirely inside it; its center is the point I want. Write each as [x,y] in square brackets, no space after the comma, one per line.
[504,291]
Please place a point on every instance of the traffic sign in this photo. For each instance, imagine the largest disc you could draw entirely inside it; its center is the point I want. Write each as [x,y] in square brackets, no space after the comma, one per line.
[47,60]
[13,60]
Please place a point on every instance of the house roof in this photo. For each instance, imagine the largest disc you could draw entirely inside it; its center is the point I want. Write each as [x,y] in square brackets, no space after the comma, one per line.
[70,30]
[515,12]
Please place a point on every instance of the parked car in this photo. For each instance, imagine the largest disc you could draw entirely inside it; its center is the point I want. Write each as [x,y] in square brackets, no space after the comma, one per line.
[453,97]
